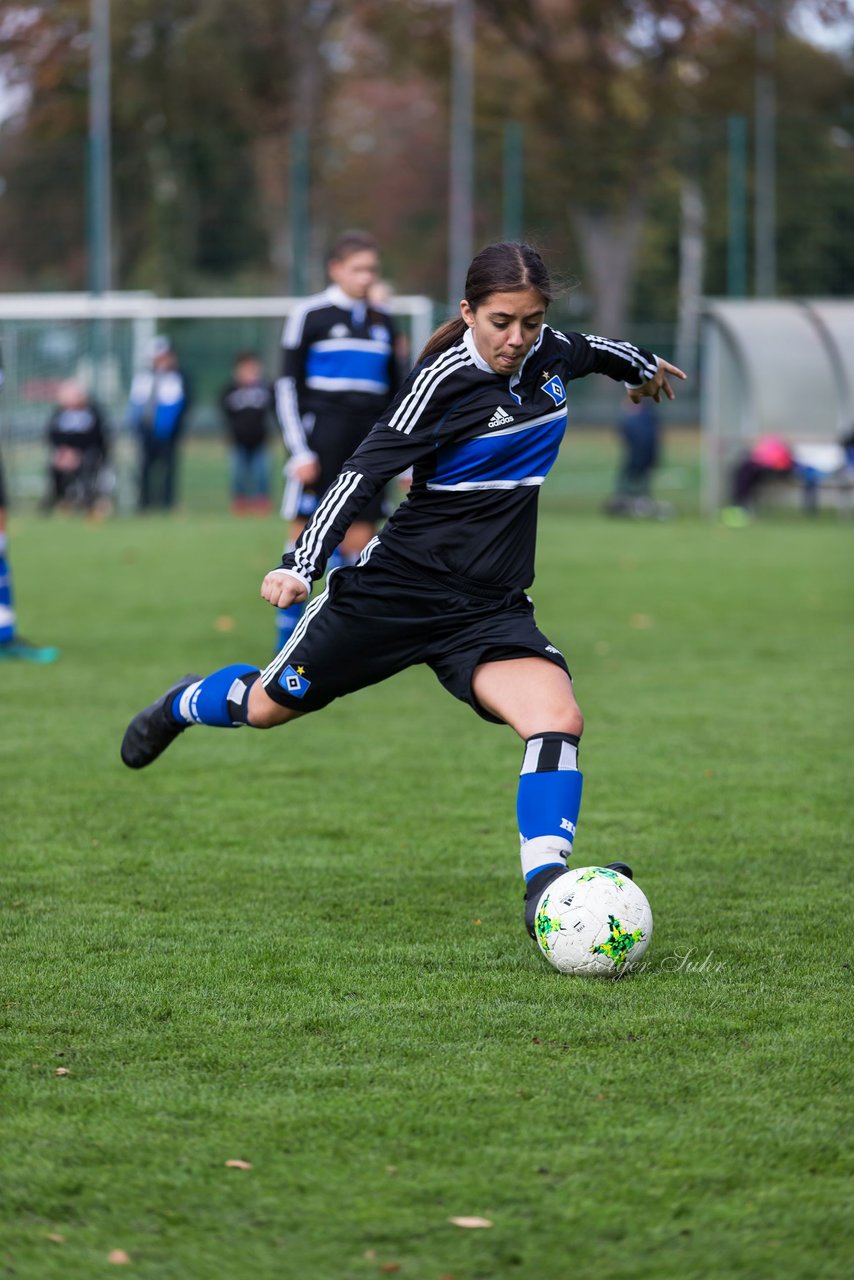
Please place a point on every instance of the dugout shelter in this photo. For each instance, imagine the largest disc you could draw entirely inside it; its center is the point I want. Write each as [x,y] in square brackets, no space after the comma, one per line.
[772,367]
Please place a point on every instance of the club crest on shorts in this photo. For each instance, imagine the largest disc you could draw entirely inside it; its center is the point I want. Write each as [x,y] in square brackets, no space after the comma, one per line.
[293,681]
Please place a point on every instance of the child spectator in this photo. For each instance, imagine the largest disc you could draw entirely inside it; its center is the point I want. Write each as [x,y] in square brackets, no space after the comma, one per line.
[78,449]
[248,405]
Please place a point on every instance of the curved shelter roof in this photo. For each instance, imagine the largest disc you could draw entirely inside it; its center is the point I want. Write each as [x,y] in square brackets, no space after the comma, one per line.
[774,367]
[834,318]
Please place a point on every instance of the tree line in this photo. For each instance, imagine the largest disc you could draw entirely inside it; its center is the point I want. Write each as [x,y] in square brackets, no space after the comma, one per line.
[229,122]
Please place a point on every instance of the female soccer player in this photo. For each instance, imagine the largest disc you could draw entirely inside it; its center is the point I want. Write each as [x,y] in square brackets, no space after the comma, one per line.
[480,420]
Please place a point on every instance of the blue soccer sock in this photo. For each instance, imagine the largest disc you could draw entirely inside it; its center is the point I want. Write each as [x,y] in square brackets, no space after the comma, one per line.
[339,559]
[287,619]
[220,699]
[286,623]
[7,605]
[548,800]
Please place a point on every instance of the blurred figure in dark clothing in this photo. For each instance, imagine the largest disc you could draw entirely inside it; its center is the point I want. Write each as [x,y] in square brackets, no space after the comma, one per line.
[640,433]
[78,449]
[248,404]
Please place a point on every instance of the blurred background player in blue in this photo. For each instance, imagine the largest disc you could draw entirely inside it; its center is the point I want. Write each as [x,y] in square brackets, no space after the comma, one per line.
[158,403]
[640,438]
[78,451]
[339,372]
[12,646]
[247,405]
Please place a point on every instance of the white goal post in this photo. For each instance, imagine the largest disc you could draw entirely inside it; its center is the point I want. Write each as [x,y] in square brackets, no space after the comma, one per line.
[101,340]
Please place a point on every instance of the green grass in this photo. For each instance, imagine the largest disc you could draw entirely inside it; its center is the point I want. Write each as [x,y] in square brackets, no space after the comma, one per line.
[304,949]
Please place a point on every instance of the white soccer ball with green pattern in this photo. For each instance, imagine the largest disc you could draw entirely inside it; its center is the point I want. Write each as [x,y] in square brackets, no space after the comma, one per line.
[593,920]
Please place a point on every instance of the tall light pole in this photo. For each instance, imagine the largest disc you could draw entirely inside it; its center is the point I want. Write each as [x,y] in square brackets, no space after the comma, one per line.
[512,205]
[298,191]
[99,220]
[765,217]
[461,200]
[736,264]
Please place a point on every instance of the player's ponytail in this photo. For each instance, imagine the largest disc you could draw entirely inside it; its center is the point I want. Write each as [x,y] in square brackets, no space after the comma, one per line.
[445,336]
[507,267]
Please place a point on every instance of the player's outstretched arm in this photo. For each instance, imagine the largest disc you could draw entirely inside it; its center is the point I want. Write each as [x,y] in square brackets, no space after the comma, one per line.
[654,386]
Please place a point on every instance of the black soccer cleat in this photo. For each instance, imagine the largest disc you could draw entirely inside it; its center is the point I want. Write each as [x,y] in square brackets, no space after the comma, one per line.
[622,868]
[534,890]
[152,730]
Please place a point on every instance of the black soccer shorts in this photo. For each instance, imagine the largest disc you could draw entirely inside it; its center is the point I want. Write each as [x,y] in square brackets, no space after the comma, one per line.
[334,437]
[373,620]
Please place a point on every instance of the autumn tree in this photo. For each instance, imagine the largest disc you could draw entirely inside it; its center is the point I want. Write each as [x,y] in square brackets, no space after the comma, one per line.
[622,102]
[612,88]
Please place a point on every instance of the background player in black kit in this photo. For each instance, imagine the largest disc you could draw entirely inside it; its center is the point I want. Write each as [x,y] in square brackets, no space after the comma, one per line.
[480,419]
[339,371]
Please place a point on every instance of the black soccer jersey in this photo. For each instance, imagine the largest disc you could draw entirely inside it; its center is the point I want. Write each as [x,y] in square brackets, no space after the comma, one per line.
[480,445]
[82,428]
[247,407]
[337,354]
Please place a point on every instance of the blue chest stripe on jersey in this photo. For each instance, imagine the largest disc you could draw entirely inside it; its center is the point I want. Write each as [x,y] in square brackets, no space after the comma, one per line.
[347,366]
[516,455]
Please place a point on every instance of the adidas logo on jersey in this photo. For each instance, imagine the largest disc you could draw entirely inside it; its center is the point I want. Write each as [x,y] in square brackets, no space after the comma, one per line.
[500,418]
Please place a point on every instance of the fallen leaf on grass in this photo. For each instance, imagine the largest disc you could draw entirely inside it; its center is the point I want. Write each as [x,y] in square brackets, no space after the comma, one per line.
[119,1257]
[55,1238]
[237,1164]
[225,623]
[62,1071]
[389,1268]
[470,1222]
[640,621]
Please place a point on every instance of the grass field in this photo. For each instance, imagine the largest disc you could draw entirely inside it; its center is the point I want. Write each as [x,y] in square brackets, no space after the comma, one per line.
[303,950]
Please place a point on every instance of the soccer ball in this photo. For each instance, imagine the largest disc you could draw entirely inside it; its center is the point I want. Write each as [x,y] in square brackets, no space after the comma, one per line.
[593,920]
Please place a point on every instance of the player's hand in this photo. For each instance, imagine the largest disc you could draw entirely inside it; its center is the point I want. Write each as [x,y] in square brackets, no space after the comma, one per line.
[282,589]
[306,473]
[654,386]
